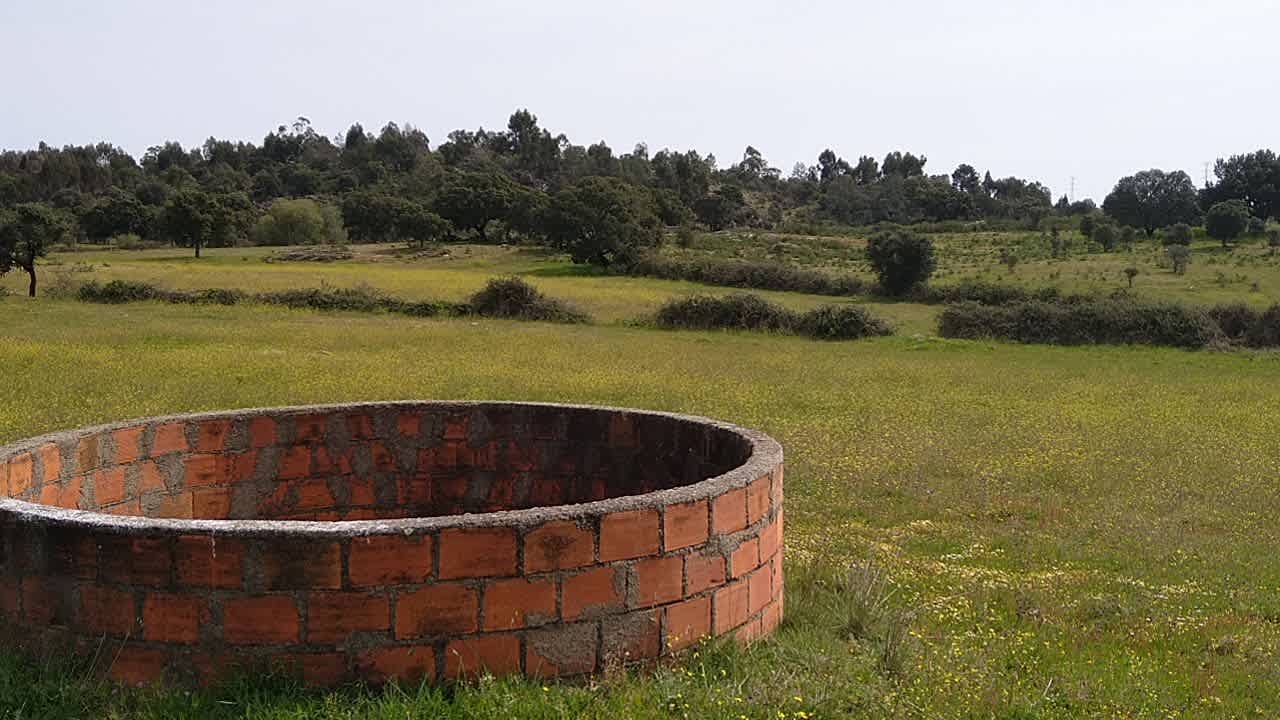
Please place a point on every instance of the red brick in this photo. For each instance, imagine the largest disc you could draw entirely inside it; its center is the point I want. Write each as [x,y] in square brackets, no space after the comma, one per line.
[660,580]
[629,534]
[20,478]
[209,561]
[558,545]
[746,558]
[377,561]
[518,603]
[151,478]
[241,466]
[314,495]
[175,507]
[631,637]
[731,606]
[407,664]
[135,561]
[170,438]
[563,650]
[173,618]
[51,460]
[496,654]
[107,611]
[729,512]
[295,463]
[362,491]
[703,572]
[772,618]
[211,503]
[477,552]
[455,428]
[50,494]
[310,427]
[688,622]
[204,470]
[302,566]
[264,620]
[750,632]
[360,427]
[40,604]
[416,491]
[135,666]
[87,457]
[108,486]
[777,574]
[592,591]
[334,617]
[383,459]
[758,500]
[409,424]
[131,508]
[71,493]
[684,525]
[315,669]
[9,596]
[771,539]
[262,432]
[437,610]
[622,431]
[211,435]
[760,589]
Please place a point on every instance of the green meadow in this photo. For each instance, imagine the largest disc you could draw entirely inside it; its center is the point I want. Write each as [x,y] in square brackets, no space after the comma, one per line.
[974,529]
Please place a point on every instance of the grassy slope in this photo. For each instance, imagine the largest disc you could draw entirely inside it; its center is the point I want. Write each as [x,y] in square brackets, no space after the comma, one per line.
[1068,531]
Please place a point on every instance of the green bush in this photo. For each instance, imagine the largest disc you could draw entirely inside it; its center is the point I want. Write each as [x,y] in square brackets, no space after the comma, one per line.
[512,297]
[738,311]
[1083,320]
[753,275]
[842,322]
[902,259]
[117,291]
[362,298]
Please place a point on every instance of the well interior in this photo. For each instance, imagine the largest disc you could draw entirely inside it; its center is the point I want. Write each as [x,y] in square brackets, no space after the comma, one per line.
[369,463]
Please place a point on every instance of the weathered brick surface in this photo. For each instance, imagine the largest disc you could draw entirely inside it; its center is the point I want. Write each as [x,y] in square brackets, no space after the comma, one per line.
[430,590]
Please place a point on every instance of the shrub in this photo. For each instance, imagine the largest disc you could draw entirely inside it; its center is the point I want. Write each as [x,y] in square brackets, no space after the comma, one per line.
[754,275]
[512,297]
[361,298]
[291,222]
[1265,331]
[1235,320]
[1257,226]
[1106,235]
[1083,320]
[902,259]
[1180,256]
[117,291]
[842,322]
[1273,239]
[1227,220]
[1178,234]
[737,311]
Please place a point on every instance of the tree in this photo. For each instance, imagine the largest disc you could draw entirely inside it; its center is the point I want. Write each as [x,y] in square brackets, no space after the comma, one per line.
[1257,227]
[1178,234]
[291,222]
[26,232]
[1180,256]
[1153,199]
[902,259]
[1253,178]
[1131,273]
[188,219]
[1227,220]
[966,180]
[116,214]
[471,200]
[1106,235]
[419,225]
[602,221]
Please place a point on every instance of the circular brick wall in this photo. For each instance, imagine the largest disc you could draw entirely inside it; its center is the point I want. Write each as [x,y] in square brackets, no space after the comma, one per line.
[390,540]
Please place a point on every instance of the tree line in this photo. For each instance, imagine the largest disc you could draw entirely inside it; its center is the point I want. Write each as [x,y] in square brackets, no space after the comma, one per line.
[525,183]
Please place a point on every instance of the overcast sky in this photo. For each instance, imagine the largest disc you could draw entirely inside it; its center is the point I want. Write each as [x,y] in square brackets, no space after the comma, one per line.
[1040,89]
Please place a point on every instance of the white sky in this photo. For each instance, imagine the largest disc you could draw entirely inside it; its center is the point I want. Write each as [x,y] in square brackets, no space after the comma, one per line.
[1040,89]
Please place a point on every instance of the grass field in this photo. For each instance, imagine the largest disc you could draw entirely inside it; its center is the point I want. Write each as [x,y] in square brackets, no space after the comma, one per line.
[1054,532]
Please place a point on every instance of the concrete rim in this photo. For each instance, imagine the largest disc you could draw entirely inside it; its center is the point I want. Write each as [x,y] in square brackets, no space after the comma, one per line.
[765,456]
